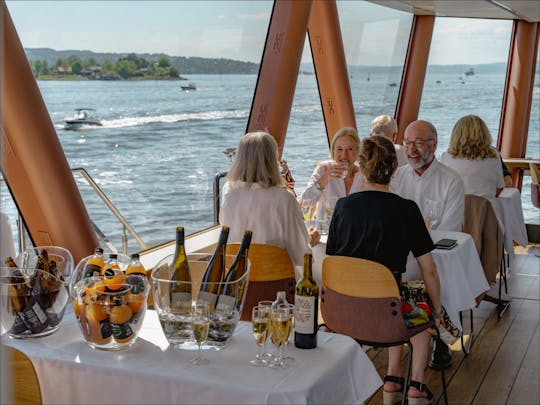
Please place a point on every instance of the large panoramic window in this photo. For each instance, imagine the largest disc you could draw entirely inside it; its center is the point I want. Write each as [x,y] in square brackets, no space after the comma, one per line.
[162,138]
[466,74]
[375,40]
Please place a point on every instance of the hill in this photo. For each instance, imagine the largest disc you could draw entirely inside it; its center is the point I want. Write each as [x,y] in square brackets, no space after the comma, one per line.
[185,65]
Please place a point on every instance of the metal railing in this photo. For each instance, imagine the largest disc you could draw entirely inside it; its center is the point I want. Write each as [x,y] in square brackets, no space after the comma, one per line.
[217,195]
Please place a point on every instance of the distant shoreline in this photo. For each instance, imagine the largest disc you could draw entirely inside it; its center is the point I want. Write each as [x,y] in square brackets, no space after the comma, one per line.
[70,78]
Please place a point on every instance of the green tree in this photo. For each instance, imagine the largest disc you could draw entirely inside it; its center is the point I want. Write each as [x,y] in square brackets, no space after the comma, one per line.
[164,62]
[173,72]
[76,67]
[126,68]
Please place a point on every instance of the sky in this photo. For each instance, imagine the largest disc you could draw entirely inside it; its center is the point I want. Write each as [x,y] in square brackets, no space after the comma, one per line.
[237,30]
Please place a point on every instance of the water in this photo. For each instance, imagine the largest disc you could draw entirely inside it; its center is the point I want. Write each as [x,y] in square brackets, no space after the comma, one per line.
[159,148]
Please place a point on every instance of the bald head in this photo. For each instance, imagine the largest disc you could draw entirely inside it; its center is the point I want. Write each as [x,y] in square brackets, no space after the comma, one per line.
[421,129]
[420,142]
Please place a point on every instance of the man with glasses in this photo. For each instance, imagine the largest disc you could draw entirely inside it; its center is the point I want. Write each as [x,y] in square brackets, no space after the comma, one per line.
[438,191]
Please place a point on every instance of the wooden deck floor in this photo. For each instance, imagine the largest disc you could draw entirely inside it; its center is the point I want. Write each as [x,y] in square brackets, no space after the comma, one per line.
[504,362]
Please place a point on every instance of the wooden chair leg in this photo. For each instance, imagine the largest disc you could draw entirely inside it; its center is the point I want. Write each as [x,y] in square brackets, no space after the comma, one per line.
[407,374]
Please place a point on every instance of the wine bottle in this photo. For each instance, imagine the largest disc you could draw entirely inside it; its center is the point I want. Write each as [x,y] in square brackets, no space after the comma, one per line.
[180,291]
[232,293]
[281,298]
[94,264]
[214,272]
[307,308]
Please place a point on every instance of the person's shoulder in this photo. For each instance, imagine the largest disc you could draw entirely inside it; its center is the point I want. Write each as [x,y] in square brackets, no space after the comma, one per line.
[447,171]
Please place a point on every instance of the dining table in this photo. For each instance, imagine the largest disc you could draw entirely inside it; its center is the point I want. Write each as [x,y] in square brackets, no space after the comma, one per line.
[511,211]
[460,272]
[152,372]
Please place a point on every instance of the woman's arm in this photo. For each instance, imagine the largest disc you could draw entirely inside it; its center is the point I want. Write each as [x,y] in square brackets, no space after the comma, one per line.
[431,279]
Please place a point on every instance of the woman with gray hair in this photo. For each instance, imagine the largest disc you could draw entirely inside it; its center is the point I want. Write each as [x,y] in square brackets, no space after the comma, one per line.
[385,125]
[255,198]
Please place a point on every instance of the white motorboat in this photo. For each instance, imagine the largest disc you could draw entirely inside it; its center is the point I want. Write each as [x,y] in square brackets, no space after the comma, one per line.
[82,117]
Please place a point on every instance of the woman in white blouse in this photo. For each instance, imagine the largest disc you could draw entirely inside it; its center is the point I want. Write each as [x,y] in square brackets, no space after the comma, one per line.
[256,198]
[331,180]
[471,155]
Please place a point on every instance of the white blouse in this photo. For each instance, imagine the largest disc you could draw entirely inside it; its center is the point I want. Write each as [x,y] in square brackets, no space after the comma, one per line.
[272,214]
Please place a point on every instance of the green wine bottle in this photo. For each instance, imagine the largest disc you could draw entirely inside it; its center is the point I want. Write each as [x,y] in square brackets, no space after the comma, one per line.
[180,291]
[307,308]
[214,272]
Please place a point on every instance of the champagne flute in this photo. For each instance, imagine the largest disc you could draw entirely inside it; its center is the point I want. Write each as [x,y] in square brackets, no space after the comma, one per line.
[279,329]
[259,325]
[286,356]
[266,306]
[200,322]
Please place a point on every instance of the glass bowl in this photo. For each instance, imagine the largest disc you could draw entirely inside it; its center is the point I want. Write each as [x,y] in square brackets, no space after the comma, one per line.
[175,315]
[33,295]
[110,309]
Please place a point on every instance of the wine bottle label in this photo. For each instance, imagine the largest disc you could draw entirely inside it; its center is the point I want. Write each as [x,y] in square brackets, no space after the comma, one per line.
[34,317]
[304,320]
[225,303]
[208,297]
[180,299]
[18,325]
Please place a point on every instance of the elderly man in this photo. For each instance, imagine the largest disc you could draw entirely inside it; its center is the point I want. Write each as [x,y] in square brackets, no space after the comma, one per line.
[385,125]
[437,190]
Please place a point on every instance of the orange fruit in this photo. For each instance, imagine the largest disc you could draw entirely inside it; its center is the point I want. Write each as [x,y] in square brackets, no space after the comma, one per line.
[120,314]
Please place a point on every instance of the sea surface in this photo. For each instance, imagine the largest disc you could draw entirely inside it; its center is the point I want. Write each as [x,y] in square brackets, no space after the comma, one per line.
[159,148]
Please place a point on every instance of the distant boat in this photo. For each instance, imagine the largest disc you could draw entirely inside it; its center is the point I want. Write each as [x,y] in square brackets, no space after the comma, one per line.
[469,72]
[393,84]
[189,86]
[82,117]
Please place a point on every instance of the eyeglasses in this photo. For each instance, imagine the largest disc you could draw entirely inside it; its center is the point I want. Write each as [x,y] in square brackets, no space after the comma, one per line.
[418,143]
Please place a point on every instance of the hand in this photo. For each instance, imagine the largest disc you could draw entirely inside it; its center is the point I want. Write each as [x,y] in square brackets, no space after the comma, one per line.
[314,236]
[333,171]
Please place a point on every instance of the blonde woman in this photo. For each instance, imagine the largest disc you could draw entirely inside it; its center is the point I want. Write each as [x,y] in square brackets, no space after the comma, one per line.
[255,197]
[471,155]
[338,177]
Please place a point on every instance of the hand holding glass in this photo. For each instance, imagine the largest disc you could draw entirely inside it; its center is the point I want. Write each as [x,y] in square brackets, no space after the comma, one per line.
[200,321]
[259,324]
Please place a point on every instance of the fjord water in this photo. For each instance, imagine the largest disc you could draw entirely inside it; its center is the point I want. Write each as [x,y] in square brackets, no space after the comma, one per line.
[159,148]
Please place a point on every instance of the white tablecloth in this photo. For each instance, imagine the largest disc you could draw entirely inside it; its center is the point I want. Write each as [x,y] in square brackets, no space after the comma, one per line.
[510,208]
[460,272]
[70,372]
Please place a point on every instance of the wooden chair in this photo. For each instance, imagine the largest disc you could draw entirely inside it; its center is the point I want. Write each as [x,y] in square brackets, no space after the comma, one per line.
[361,299]
[271,271]
[481,223]
[24,382]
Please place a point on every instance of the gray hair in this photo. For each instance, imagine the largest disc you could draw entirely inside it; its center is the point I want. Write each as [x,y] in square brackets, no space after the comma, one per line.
[256,161]
[384,125]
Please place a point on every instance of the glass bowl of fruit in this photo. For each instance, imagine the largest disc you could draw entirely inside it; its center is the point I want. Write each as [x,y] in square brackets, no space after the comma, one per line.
[34,291]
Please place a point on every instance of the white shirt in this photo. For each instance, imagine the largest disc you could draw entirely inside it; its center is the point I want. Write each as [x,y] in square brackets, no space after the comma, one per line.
[272,214]
[401,155]
[481,177]
[334,189]
[438,192]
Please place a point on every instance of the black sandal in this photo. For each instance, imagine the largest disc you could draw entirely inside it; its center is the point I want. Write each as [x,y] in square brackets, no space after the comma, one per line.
[391,398]
[420,400]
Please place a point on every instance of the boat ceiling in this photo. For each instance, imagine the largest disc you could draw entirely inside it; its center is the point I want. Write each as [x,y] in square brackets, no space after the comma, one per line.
[528,10]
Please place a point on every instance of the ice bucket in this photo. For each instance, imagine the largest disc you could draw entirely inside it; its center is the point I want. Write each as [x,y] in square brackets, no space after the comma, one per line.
[175,315]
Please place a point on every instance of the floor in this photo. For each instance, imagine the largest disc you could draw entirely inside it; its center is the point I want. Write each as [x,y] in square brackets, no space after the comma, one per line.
[504,362]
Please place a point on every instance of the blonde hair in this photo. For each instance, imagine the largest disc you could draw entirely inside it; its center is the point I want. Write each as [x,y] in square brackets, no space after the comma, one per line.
[377,159]
[345,131]
[471,139]
[256,161]
[384,125]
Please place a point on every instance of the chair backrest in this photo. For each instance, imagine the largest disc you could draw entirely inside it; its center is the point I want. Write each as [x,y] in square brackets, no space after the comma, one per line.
[481,223]
[271,270]
[360,298]
[24,381]
[535,185]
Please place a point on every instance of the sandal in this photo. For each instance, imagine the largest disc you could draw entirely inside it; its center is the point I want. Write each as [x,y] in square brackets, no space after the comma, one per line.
[391,398]
[420,400]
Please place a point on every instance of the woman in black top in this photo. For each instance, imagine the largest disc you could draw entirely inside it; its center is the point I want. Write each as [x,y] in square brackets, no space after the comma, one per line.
[377,225]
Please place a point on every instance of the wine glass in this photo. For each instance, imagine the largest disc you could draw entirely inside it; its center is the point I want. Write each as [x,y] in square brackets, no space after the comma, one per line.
[266,306]
[286,356]
[279,329]
[200,322]
[259,325]
[345,165]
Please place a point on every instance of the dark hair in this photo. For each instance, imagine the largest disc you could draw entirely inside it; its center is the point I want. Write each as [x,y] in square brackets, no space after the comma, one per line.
[377,159]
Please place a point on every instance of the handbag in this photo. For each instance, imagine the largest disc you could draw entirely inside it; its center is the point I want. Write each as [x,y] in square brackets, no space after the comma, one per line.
[417,309]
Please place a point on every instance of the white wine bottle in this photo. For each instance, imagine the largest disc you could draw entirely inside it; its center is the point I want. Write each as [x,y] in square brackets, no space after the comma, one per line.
[307,308]
[231,293]
[180,291]
[213,275]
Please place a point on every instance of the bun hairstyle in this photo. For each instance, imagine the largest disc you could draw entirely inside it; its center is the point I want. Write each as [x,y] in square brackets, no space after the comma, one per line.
[377,159]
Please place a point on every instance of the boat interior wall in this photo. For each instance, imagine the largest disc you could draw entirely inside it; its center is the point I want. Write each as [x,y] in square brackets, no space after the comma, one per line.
[280,64]
[330,67]
[34,165]
[499,9]
[412,81]
[517,98]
